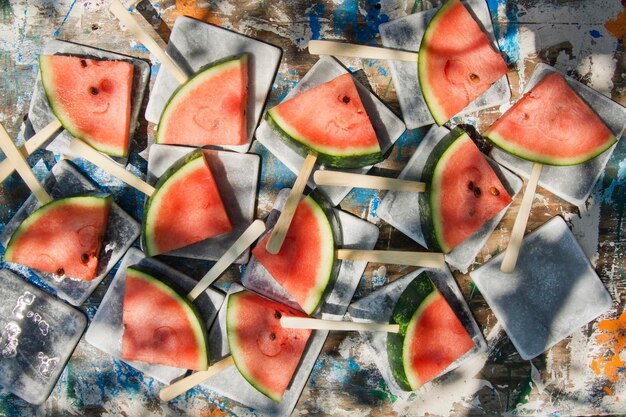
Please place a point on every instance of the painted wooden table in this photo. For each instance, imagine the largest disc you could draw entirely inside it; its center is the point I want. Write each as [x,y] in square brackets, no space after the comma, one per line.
[583,374]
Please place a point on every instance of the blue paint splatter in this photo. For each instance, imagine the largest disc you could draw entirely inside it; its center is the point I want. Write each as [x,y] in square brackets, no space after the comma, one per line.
[374,207]
[509,40]
[56,32]
[595,34]
[345,19]
[314,13]
[139,48]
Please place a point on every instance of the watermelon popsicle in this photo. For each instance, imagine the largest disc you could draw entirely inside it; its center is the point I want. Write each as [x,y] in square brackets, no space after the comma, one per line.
[571,134]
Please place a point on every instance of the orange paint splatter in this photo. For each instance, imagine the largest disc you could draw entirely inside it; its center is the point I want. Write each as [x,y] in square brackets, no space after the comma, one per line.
[608,390]
[197,10]
[617,26]
[612,342]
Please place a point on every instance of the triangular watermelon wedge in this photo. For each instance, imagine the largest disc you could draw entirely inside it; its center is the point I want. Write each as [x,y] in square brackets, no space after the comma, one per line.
[266,354]
[552,125]
[456,61]
[431,336]
[463,192]
[185,208]
[330,121]
[91,99]
[210,108]
[63,237]
[304,264]
[160,325]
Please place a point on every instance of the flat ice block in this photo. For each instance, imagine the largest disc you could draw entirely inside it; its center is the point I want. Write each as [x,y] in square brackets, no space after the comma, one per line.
[106,329]
[379,305]
[363,235]
[401,209]
[237,177]
[387,125]
[38,334]
[40,114]
[122,230]
[572,183]
[194,44]
[406,33]
[553,291]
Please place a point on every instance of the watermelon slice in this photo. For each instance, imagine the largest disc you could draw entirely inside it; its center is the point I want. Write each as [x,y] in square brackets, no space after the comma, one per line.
[185,208]
[210,108]
[62,237]
[266,354]
[91,99]
[304,264]
[431,336]
[552,125]
[330,121]
[160,326]
[456,62]
[463,193]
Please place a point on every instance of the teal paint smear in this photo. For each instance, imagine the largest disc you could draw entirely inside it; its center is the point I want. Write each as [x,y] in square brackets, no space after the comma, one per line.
[58,31]
[314,13]
[509,39]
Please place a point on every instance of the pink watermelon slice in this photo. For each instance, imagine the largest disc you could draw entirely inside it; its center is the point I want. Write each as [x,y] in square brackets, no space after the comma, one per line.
[463,193]
[63,237]
[185,208]
[456,62]
[431,336]
[210,108]
[266,354]
[552,125]
[160,326]
[330,121]
[91,99]
[304,264]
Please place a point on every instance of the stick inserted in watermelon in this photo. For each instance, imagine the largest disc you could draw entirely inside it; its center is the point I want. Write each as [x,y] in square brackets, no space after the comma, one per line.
[91,99]
[550,125]
[160,325]
[188,185]
[346,326]
[431,336]
[464,192]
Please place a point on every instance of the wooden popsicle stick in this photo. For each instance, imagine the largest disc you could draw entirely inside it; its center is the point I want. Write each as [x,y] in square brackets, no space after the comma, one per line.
[30,146]
[282,225]
[348,326]
[346,179]
[517,234]
[425,259]
[246,239]
[124,16]
[85,151]
[21,166]
[320,47]
[183,385]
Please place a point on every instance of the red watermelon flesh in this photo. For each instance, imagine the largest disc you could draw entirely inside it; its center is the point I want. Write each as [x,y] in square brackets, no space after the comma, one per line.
[435,338]
[91,99]
[160,326]
[63,237]
[456,61]
[329,120]
[551,124]
[210,109]
[266,354]
[304,263]
[185,208]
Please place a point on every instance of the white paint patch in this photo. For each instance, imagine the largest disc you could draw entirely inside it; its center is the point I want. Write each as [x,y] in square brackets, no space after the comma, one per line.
[586,226]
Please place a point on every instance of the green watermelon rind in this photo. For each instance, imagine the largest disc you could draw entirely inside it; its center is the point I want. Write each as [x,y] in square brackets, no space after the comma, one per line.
[430,217]
[324,156]
[181,93]
[198,326]
[64,117]
[422,59]
[181,167]
[497,139]
[237,351]
[409,302]
[96,201]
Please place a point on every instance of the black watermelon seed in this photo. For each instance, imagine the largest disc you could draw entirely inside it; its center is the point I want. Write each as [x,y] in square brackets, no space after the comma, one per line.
[60,271]
[477,192]
[346,99]
[83,63]
[277,314]
[470,185]
[93,90]
[272,336]
[84,258]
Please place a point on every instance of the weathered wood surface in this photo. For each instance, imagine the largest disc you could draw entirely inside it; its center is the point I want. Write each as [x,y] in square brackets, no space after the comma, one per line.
[581,38]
